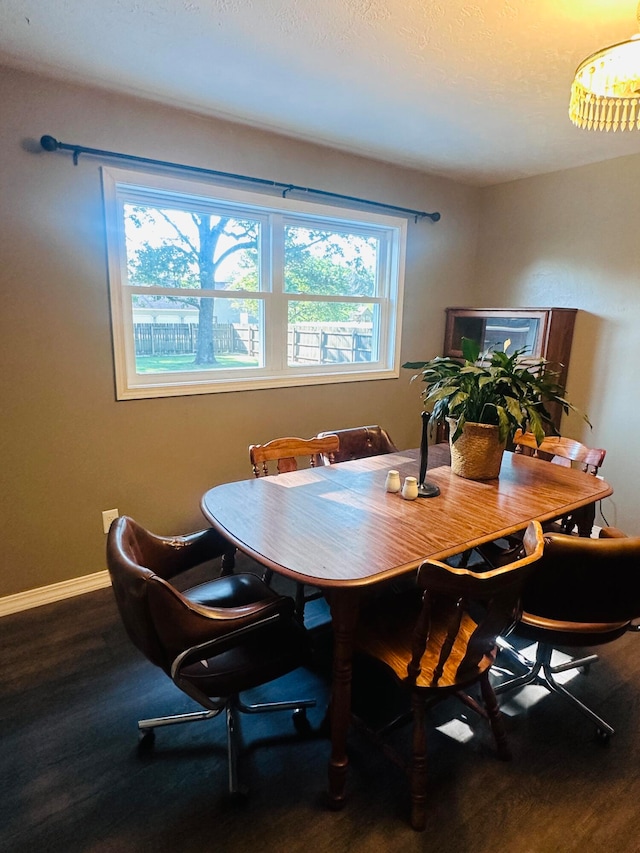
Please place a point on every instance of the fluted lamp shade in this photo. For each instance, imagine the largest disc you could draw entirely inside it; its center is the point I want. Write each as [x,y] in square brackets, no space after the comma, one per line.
[605,94]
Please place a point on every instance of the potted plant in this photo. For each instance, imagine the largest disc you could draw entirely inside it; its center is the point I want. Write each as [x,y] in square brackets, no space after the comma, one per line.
[485,399]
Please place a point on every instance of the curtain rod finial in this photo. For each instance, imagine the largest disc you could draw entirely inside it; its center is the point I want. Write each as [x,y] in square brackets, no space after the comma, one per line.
[49,143]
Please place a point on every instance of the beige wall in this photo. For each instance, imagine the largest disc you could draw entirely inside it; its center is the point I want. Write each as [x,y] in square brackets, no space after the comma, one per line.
[68,450]
[570,239]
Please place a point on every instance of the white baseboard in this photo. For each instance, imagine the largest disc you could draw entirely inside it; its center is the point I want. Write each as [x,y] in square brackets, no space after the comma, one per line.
[67,589]
[54,592]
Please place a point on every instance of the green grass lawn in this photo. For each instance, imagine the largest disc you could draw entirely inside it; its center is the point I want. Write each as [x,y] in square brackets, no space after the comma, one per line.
[182,363]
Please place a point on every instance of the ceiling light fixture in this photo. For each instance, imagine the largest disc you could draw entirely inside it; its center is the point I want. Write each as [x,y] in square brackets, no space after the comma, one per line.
[605,94]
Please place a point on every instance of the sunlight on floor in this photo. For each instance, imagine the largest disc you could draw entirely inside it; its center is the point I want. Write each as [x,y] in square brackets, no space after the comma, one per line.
[515,703]
[528,696]
[456,729]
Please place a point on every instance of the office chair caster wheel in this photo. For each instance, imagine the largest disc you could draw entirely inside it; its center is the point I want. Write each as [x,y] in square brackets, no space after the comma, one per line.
[603,737]
[300,722]
[146,741]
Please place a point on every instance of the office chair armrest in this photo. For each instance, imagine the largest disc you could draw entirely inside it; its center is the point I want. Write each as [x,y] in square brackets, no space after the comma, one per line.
[181,624]
[225,617]
[218,645]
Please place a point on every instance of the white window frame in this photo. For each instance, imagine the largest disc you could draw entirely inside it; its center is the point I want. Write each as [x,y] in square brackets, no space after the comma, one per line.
[121,185]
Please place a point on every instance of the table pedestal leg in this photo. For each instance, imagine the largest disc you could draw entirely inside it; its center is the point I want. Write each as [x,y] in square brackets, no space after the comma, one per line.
[585,519]
[344,615]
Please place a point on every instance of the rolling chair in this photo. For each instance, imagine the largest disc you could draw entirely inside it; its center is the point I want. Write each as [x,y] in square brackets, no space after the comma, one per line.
[360,442]
[214,640]
[442,642]
[585,592]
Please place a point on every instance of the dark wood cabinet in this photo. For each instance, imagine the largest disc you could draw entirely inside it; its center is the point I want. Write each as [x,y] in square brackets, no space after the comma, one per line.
[543,332]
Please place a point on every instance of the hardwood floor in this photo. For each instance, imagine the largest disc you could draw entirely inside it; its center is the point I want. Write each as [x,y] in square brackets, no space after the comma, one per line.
[73,687]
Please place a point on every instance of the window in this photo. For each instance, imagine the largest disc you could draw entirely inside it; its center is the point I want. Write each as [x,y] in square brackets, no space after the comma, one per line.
[219,289]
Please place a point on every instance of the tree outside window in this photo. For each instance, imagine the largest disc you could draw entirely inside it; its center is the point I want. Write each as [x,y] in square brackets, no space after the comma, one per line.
[213,290]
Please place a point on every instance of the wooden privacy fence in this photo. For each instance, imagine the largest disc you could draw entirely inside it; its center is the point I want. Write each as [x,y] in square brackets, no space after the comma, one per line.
[306,343]
[182,338]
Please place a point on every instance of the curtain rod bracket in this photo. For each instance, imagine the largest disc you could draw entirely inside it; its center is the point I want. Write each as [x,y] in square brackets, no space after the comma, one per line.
[50,143]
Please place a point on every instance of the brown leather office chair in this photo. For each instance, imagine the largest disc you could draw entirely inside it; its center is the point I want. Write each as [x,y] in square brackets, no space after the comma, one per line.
[585,592]
[436,647]
[360,442]
[285,452]
[214,640]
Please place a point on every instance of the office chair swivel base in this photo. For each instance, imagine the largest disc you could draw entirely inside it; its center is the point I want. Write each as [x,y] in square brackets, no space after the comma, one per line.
[232,706]
[542,672]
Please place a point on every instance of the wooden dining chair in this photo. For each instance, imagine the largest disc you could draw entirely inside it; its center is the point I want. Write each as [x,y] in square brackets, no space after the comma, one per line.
[566,452]
[444,641]
[285,453]
[558,451]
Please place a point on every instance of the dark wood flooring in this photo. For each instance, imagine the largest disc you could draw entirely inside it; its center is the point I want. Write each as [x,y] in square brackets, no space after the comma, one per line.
[72,688]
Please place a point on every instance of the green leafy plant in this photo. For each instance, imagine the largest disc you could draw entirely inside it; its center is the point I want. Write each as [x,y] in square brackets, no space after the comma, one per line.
[508,391]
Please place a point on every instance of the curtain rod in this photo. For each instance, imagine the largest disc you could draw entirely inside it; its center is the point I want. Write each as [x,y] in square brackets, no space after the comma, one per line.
[50,143]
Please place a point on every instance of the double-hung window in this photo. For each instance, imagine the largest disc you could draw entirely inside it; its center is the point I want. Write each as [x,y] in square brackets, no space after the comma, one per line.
[219,289]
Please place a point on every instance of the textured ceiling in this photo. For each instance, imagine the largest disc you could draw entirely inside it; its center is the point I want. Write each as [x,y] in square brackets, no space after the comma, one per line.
[473,91]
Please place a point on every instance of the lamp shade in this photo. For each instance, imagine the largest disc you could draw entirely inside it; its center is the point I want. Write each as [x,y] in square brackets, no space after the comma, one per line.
[605,94]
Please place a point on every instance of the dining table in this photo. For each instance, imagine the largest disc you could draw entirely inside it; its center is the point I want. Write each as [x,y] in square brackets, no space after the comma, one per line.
[337,528]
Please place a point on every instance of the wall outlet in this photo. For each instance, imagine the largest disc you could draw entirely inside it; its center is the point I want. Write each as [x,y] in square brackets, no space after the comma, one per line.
[108,516]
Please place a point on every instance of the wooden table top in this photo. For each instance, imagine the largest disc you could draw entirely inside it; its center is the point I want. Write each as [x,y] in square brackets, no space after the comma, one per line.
[337,526]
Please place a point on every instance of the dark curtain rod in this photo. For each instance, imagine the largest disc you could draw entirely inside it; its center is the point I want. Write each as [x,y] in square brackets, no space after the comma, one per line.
[49,143]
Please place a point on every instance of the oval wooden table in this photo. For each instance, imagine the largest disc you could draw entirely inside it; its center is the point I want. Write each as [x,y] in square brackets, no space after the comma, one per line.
[336,528]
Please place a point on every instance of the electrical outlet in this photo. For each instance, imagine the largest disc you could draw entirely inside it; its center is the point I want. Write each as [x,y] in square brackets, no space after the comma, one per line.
[108,515]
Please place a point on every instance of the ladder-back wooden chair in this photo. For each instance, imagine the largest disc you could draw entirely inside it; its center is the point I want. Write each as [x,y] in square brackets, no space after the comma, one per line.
[280,456]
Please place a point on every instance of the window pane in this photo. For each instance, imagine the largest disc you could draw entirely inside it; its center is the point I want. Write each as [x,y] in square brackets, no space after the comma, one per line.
[326,262]
[182,248]
[173,335]
[210,285]
[347,338]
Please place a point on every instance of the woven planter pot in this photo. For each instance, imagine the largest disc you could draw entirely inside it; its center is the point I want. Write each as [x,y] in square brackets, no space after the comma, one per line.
[477,454]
